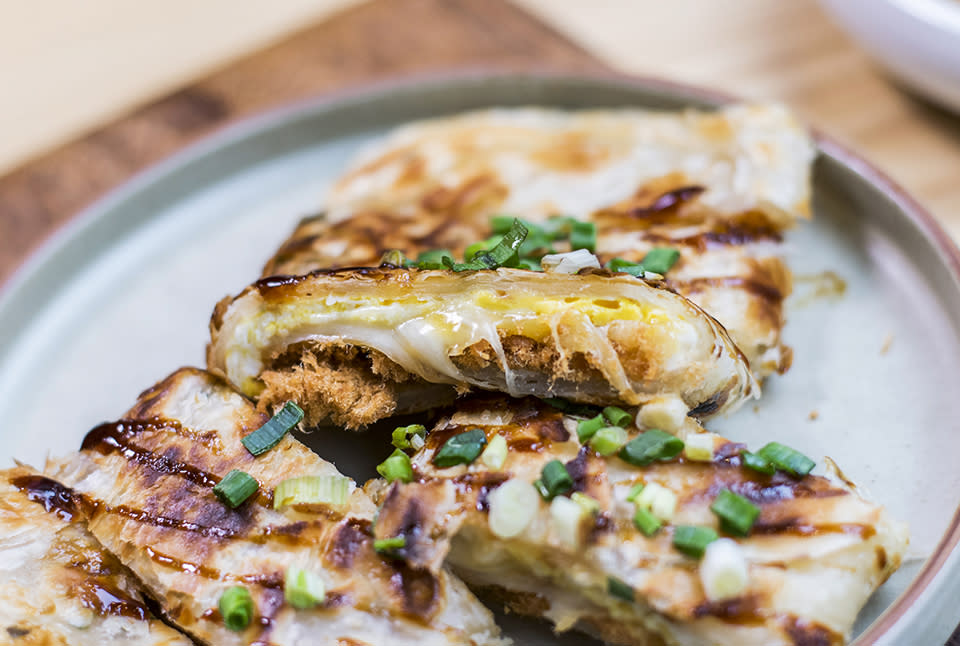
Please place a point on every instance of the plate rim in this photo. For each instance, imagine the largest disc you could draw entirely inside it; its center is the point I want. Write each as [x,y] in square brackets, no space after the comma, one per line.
[924,222]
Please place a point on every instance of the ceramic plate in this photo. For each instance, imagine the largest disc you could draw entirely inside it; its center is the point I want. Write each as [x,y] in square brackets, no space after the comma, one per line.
[122,296]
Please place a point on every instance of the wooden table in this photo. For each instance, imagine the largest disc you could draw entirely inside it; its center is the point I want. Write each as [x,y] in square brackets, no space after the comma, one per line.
[757,48]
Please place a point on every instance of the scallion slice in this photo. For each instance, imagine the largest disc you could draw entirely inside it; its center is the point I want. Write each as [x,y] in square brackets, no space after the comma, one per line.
[269,435]
[236,608]
[389,546]
[530,264]
[583,235]
[617,416]
[494,456]
[587,503]
[394,258]
[587,428]
[608,440]
[646,522]
[787,459]
[619,589]
[571,408]
[503,254]
[303,589]
[757,463]
[650,446]
[619,265]
[556,479]
[635,491]
[461,449]
[693,540]
[326,490]
[402,435]
[396,467]
[737,514]
[659,260]
[433,259]
[235,488]
[484,245]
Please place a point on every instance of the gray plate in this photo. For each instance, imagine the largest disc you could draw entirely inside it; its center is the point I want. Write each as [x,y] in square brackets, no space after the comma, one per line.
[122,296]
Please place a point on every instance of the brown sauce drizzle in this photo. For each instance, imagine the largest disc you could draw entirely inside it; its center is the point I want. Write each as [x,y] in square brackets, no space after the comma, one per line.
[740,610]
[55,498]
[271,581]
[107,600]
[116,437]
[67,503]
[795,527]
[808,633]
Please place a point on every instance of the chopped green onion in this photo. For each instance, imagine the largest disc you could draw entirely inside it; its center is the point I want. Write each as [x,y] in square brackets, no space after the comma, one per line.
[646,522]
[693,540]
[571,408]
[235,488]
[269,435]
[433,259]
[556,479]
[737,514]
[757,463]
[236,608]
[587,503]
[724,571]
[495,454]
[583,235]
[527,263]
[389,546]
[659,260]
[622,266]
[566,521]
[787,459]
[659,500]
[513,506]
[484,245]
[303,589]
[498,256]
[635,491]
[650,446]
[587,428]
[396,467]
[537,244]
[394,258]
[558,226]
[541,489]
[608,440]
[502,223]
[461,449]
[403,434]
[619,589]
[617,416]
[699,447]
[327,490]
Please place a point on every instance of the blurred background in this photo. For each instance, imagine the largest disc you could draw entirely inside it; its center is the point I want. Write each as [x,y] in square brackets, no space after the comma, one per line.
[67,68]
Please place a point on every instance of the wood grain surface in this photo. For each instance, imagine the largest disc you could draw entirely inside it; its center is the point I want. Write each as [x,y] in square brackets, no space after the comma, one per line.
[372,41]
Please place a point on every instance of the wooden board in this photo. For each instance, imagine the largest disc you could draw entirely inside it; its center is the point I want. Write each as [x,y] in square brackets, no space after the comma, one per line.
[372,41]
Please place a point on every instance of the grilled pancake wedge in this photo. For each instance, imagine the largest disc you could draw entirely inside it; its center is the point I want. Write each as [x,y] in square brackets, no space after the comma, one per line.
[57,583]
[146,482]
[721,186]
[814,554]
[597,338]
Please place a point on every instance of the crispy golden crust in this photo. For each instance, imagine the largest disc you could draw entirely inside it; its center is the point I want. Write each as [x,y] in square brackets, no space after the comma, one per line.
[59,585]
[146,485]
[815,553]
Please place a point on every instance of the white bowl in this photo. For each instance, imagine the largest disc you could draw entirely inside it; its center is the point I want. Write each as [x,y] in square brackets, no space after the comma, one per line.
[918,41]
